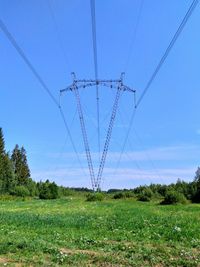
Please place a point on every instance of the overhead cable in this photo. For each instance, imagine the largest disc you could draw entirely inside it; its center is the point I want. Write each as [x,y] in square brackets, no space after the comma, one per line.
[167,51]
[94,38]
[41,81]
[162,60]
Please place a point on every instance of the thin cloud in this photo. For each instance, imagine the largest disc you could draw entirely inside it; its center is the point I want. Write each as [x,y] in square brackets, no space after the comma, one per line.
[68,172]
[167,153]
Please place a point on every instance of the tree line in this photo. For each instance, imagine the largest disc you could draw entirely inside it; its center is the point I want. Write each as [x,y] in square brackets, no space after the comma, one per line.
[15,175]
[179,192]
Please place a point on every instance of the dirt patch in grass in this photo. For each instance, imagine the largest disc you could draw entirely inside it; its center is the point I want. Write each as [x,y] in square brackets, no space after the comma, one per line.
[81,251]
[4,260]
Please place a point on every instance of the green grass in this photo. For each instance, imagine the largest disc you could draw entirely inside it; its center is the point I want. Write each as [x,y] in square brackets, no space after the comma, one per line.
[73,232]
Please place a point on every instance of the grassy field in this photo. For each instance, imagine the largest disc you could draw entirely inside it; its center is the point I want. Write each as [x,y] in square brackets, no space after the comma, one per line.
[73,232]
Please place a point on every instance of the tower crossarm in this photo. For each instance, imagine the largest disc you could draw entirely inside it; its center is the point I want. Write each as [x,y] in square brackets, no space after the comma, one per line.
[91,83]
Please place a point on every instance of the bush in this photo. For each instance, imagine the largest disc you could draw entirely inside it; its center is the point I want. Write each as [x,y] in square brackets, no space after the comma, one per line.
[173,197]
[48,190]
[128,194]
[94,197]
[20,191]
[119,195]
[145,195]
[32,188]
[196,197]
[144,198]
[66,192]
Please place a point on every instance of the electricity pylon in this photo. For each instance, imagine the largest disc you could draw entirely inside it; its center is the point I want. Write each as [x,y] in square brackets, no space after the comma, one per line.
[83,83]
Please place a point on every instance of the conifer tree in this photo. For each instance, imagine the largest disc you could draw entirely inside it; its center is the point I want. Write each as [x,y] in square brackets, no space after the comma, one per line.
[2,154]
[21,169]
[7,179]
[197,176]
[9,182]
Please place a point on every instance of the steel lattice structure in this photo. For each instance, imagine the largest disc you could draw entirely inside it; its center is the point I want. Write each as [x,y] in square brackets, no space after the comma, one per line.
[83,83]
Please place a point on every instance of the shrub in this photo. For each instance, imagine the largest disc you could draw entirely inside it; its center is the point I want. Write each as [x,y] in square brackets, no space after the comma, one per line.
[145,195]
[128,194]
[144,198]
[196,197]
[48,190]
[173,197]
[94,197]
[65,192]
[32,188]
[20,191]
[119,195]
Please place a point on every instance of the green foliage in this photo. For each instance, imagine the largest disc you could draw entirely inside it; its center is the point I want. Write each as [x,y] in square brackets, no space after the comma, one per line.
[7,179]
[20,191]
[174,197]
[196,195]
[2,143]
[97,196]
[145,195]
[20,165]
[128,194]
[32,187]
[197,176]
[119,195]
[48,190]
[123,194]
[65,192]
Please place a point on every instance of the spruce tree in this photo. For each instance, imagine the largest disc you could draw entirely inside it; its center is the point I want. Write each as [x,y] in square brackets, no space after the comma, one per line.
[196,196]
[25,167]
[197,176]
[2,154]
[21,169]
[7,180]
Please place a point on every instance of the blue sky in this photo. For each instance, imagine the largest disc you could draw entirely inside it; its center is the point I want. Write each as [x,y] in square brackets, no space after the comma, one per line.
[164,143]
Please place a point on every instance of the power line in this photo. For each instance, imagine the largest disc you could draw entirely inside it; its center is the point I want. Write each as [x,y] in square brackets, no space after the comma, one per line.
[167,51]
[58,34]
[151,161]
[70,137]
[94,38]
[41,81]
[93,18]
[134,35]
[175,37]
[27,61]
[126,139]
[131,146]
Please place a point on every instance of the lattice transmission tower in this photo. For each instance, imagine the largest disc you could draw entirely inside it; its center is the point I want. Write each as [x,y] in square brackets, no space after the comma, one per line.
[83,83]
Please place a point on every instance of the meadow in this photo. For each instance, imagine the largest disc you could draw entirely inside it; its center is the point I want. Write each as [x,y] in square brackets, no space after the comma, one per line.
[73,232]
